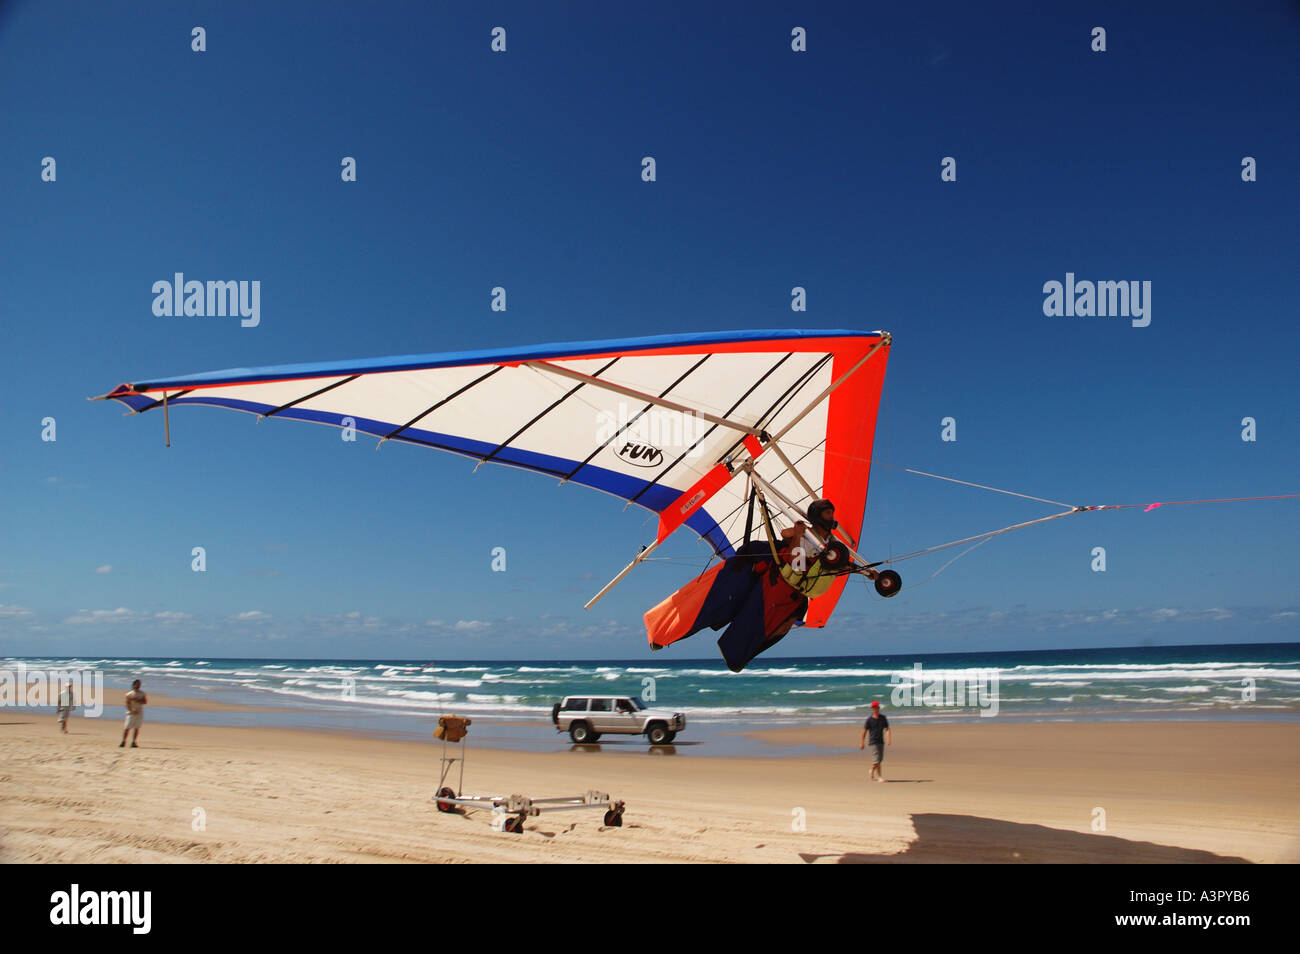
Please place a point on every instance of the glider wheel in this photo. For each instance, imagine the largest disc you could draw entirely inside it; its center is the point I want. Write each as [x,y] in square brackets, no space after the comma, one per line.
[658,734]
[614,818]
[888,583]
[580,732]
[446,793]
[514,825]
[835,555]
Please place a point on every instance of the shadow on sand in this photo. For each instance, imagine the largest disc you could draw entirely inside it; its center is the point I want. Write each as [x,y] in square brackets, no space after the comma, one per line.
[966,838]
[649,749]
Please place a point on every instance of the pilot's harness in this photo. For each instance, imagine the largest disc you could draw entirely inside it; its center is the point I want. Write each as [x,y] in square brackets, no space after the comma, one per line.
[831,562]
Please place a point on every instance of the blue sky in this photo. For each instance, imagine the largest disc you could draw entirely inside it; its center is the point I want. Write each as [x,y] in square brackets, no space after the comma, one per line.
[522,169]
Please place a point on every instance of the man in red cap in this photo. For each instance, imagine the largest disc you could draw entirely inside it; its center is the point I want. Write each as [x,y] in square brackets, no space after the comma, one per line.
[876,730]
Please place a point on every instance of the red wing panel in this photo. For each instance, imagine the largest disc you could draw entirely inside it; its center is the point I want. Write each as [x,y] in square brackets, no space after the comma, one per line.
[850,434]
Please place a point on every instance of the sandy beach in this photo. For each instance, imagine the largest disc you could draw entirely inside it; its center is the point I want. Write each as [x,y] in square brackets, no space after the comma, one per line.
[1170,792]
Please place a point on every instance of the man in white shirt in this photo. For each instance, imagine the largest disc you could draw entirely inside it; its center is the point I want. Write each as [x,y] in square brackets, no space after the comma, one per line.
[66,705]
[135,703]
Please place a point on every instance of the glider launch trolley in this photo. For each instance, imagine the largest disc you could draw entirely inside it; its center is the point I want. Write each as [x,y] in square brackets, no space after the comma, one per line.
[514,808]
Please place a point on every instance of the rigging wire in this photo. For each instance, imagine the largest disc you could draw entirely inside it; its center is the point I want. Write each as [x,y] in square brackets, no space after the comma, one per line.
[984,537]
[912,586]
[967,483]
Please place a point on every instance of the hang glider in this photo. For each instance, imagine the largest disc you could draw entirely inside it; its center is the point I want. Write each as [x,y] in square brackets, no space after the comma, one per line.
[692,427]
[740,437]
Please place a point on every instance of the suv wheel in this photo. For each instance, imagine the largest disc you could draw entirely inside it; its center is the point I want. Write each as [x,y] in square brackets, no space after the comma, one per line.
[658,734]
[580,732]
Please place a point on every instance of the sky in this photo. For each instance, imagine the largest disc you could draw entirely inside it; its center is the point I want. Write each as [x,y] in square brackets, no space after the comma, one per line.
[522,169]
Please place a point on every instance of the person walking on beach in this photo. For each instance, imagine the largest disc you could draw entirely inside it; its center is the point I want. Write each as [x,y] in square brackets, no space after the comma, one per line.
[135,703]
[66,705]
[876,731]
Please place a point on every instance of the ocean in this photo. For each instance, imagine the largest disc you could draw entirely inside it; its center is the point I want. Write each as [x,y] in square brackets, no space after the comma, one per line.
[1251,682]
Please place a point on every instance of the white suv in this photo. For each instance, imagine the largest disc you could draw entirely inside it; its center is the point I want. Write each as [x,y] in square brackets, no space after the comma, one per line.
[586,718]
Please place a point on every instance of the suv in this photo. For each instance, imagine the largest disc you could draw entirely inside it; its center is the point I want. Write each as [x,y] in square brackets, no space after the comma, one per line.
[586,718]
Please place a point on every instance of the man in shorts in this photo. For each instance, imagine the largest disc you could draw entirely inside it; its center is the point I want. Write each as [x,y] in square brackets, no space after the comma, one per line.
[135,703]
[876,731]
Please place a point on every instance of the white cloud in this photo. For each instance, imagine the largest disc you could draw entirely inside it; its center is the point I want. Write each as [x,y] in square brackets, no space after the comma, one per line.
[94,617]
[250,616]
[106,568]
[10,611]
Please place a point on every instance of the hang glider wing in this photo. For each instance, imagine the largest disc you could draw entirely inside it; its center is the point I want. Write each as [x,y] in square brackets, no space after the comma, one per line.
[661,422]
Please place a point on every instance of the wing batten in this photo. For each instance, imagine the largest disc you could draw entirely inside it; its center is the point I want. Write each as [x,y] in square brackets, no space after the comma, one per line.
[731,410]
[541,414]
[165,399]
[308,397]
[639,414]
[442,403]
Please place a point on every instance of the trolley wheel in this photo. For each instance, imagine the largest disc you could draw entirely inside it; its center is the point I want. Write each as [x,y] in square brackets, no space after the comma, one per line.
[888,583]
[580,732]
[445,792]
[658,734]
[614,818]
[514,825]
